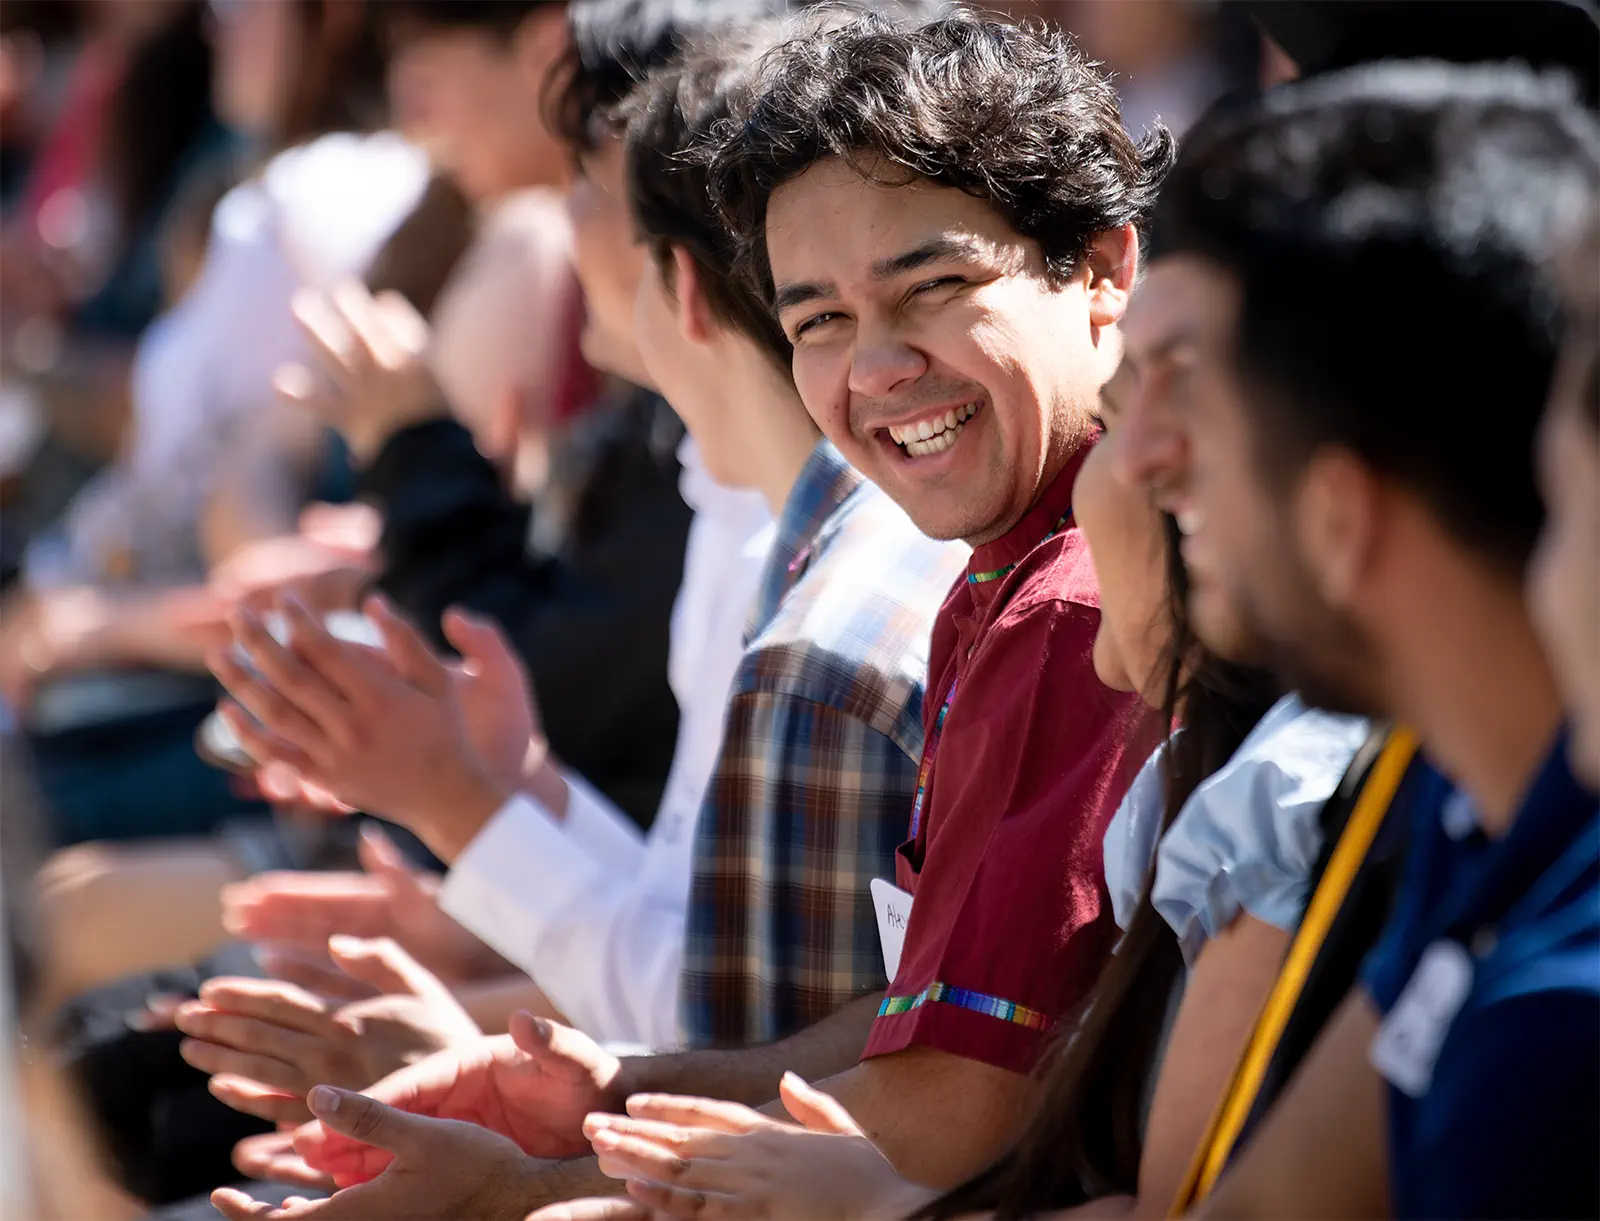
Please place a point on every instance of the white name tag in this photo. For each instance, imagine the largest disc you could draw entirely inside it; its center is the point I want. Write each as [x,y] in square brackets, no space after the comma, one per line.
[894,913]
[1407,1044]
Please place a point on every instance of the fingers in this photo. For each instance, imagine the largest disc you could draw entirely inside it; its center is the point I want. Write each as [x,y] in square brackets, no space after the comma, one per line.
[814,1110]
[335,345]
[279,732]
[560,1049]
[377,343]
[297,674]
[313,970]
[482,646]
[708,1113]
[252,1098]
[383,964]
[408,652]
[213,1058]
[269,1001]
[271,1157]
[305,909]
[607,1208]
[626,1156]
[685,1203]
[236,1206]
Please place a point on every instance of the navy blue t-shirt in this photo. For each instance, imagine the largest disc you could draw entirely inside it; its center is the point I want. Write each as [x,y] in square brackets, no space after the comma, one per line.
[1504,1121]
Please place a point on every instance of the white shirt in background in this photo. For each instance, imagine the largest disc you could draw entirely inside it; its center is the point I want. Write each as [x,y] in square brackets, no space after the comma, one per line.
[315,215]
[588,907]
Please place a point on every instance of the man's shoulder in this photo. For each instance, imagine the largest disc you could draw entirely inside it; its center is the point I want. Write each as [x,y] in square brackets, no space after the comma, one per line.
[1057,577]
[853,633]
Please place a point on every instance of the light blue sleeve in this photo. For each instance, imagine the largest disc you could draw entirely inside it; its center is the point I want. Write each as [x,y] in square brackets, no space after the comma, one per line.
[1131,835]
[1246,840]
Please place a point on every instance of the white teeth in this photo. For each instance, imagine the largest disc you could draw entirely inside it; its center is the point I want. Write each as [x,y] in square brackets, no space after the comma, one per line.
[933,436]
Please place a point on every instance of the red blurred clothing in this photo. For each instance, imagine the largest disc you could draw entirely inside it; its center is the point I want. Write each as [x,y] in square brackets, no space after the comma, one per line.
[1011,921]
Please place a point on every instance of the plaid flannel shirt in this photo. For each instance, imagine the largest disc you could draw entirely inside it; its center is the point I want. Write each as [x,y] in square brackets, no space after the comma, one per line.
[812,793]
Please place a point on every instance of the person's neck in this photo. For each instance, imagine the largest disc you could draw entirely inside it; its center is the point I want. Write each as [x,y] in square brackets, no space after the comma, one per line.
[781,436]
[1477,688]
[1057,458]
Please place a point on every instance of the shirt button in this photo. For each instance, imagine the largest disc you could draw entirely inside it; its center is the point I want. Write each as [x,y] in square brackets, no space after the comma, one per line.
[1484,942]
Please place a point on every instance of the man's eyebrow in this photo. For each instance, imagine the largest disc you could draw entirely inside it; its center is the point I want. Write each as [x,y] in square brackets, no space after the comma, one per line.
[788,296]
[933,251]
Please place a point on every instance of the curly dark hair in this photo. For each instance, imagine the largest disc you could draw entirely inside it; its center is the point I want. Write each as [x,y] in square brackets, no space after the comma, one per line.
[1010,113]
[674,111]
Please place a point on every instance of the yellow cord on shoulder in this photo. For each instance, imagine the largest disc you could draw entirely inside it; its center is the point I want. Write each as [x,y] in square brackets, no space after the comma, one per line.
[1234,1107]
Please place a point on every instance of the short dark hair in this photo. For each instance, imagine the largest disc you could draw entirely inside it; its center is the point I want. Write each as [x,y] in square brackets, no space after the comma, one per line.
[616,44]
[497,18]
[667,117]
[1012,114]
[1391,229]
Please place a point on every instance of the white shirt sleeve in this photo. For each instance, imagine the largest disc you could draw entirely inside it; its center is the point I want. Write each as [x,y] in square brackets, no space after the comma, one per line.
[585,908]
[591,910]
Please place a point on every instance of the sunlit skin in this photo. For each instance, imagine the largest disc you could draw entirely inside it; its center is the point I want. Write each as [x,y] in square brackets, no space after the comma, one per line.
[609,260]
[474,100]
[1564,578]
[913,303]
[1123,530]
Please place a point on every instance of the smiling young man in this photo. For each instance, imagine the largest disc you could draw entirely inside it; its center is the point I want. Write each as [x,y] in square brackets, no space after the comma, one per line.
[951,270]
[1360,324]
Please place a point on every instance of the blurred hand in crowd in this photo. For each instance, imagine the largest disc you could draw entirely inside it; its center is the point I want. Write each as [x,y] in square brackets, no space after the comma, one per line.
[327,565]
[371,377]
[437,747]
[267,1042]
[391,899]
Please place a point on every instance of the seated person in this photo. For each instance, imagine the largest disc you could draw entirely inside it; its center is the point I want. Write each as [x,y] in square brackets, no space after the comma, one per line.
[1460,1075]
[1020,275]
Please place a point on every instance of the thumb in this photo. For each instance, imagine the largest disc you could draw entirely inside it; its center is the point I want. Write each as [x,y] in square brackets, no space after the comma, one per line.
[558,1046]
[366,1119]
[408,652]
[814,1110]
[383,964]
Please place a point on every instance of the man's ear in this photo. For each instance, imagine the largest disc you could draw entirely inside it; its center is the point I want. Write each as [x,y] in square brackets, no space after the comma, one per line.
[1338,511]
[695,321]
[1113,264]
[541,38]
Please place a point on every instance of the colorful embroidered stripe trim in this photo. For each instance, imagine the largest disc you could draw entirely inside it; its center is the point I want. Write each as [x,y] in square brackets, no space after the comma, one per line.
[926,770]
[979,1002]
[983,578]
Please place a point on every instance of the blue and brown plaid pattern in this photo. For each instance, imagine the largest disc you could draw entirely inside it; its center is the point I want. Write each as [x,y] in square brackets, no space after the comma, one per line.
[813,790]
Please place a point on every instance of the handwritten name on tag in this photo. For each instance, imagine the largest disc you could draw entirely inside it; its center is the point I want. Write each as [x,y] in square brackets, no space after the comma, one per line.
[893,906]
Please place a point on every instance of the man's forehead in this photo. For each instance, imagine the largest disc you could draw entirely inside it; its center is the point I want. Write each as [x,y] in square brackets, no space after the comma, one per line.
[1182,299]
[833,219]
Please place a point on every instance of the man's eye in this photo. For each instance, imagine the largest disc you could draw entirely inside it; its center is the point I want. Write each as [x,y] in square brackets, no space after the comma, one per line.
[941,282]
[814,321]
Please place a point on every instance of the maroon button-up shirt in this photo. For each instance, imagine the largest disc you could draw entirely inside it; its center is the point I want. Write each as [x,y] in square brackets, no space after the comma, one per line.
[1011,921]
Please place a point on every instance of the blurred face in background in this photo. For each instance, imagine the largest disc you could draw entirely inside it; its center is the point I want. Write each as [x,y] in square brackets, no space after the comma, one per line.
[610,260]
[474,98]
[1564,578]
[257,44]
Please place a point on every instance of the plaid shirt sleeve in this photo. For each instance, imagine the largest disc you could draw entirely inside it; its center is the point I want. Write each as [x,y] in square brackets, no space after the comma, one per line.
[807,806]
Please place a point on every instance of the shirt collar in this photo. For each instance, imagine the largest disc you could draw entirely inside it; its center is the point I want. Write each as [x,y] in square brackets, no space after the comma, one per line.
[1053,504]
[826,482]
